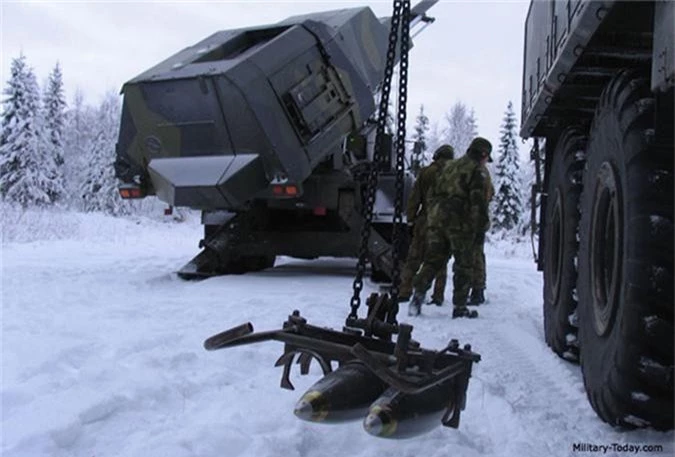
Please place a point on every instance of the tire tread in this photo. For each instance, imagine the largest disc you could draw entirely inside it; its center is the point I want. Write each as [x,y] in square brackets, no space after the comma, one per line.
[637,388]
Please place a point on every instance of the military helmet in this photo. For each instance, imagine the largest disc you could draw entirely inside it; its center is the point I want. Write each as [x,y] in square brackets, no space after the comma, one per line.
[480,148]
[445,151]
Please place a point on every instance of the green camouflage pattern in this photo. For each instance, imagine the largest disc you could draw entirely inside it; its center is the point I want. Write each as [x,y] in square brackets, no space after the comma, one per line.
[420,197]
[443,243]
[479,273]
[414,261]
[478,279]
[458,212]
[416,213]
[459,201]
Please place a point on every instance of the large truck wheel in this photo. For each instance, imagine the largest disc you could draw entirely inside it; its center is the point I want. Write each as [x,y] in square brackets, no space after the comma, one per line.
[560,259]
[626,261]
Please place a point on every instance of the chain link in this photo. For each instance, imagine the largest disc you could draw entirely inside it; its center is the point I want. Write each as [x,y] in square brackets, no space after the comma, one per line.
[397,234]
[378,157]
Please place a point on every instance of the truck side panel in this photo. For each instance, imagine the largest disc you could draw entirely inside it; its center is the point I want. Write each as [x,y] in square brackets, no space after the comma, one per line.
[551,51]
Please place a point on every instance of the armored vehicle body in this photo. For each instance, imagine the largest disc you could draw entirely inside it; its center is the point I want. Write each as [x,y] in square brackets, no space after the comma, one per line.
[598,93]
[268,131]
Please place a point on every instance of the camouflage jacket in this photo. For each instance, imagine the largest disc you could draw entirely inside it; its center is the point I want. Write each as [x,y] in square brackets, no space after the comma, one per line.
[421,192]
[459,200]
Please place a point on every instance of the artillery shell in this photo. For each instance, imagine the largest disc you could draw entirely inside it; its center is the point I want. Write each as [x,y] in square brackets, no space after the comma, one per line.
[397,415]
[342,395]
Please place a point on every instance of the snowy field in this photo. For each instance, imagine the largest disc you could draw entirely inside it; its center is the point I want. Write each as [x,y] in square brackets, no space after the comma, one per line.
[102,354]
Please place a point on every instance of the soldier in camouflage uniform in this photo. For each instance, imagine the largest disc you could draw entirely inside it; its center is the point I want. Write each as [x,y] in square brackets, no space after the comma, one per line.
[417,214]
[478,281]
[456,222]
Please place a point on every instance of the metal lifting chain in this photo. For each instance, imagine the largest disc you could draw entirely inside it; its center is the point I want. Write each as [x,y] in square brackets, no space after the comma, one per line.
[397,234]
[378,157]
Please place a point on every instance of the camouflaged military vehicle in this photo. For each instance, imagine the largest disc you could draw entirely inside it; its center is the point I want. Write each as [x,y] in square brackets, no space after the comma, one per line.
[598,89]
[268,131]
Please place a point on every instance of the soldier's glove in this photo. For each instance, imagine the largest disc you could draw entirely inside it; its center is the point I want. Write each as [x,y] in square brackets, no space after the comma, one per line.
[479,240]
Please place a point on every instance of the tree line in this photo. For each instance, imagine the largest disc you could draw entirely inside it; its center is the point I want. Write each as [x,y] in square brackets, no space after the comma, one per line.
[55,154]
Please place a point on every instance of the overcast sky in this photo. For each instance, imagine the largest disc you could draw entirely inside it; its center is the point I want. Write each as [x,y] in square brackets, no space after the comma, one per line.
[473,52]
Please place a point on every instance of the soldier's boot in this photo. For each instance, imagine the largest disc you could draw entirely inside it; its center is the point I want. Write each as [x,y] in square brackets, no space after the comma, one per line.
[477,297]
[463,311]
[436,301]
[404,293]
[415,307]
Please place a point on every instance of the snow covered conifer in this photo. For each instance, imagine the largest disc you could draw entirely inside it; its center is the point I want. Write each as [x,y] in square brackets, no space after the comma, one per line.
[99,189]
[419,136]
[508,204]
[25,172]
[54,106]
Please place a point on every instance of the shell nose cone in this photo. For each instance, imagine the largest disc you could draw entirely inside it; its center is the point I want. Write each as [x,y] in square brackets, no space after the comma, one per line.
[312,407]
[304,410]
[373,424]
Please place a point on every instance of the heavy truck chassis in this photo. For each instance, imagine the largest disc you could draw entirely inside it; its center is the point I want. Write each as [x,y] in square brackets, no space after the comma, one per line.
[598,101]
[241,242]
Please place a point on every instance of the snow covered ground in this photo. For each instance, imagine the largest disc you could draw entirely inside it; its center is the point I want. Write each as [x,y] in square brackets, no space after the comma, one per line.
[102,354]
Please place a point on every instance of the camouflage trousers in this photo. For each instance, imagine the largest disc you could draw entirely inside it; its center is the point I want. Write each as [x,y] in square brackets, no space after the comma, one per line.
[441,245]
[414,261]
[478,278]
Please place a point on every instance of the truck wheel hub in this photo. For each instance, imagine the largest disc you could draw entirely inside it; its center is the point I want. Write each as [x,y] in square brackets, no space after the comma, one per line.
[557,236]
[606,239]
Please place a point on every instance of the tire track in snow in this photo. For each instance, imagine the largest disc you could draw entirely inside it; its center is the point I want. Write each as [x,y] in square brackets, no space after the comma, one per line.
[541,393]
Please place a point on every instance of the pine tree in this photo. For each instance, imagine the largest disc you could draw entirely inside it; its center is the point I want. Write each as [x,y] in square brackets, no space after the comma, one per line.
[24,170]
[508,203]
[420,137]
[99,189]
[54,122]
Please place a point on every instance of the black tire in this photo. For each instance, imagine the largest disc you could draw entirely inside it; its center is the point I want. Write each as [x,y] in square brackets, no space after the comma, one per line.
[562,221]
[626,261]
